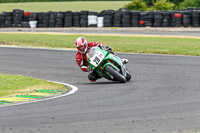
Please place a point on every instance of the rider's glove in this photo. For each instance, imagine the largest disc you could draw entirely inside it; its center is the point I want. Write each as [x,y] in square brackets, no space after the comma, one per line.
[106,48]
[103,47]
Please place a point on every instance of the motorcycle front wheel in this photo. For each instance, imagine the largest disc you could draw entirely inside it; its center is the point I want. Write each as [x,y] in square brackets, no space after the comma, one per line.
[116,75]
[128,76]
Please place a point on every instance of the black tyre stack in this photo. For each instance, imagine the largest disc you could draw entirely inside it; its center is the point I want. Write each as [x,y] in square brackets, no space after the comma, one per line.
[172,23]
[158,17]
[52,19]
[84,18]
[25,22]
[135,15]
[101,14]
[2,20]
[68,20]
[18,17]
[8,19]
[197,9]
[40,20]
[178,19]
[166,19]
[46,17]
[149,19]
[117,20]
[126,19]
[196,18]
[60,19]
[76,19]
[26,16]
[108,18]
[142,19]
[33,16]
[187,18]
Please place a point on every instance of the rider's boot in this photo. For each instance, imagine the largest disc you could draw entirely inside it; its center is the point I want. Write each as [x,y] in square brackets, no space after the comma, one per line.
[93,76]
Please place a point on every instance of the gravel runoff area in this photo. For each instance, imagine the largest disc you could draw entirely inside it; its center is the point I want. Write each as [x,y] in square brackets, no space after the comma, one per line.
[114,30]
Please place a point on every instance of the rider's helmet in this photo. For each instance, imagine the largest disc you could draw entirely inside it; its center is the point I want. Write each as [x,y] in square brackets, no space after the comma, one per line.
[81,45]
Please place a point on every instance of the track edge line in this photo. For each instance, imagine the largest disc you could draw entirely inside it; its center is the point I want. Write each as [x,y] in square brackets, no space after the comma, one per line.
[73,90]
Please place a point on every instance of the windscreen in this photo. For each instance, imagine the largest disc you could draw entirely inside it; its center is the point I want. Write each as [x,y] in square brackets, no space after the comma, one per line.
[91,52]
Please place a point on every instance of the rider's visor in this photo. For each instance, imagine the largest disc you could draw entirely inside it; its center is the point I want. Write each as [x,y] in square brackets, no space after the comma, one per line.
[81,48]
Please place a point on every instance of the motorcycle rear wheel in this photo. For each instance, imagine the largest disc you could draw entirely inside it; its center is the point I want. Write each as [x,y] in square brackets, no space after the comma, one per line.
[117,76]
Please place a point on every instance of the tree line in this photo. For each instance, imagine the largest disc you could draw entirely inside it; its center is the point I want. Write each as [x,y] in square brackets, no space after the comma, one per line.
[150,5]
[150,2]
[141,5]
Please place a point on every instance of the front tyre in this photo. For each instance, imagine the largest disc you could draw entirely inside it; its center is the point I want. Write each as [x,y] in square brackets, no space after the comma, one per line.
[128,76]
[116,75]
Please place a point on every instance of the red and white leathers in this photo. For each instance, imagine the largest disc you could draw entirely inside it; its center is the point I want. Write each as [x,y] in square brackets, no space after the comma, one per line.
[81,59]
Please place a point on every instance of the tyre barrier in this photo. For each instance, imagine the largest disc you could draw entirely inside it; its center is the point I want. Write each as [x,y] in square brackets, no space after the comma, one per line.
[108,18]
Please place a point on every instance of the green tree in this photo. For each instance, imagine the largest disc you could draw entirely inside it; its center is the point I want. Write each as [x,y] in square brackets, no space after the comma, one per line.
[189,3]
[149,2]
[176,2]
[163,5]
[139,5]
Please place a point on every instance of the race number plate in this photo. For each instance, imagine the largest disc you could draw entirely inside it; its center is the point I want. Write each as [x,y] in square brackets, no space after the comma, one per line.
[97,58]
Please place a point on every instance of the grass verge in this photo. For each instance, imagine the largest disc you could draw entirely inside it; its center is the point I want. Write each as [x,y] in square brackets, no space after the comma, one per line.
[17,84]
[125,44]
[64,6]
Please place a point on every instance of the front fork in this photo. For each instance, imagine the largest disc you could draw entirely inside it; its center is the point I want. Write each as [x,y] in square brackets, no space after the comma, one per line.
[123,70]
[123,67]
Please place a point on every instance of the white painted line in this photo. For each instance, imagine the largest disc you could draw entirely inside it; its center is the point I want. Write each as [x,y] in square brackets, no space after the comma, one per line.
[74,89]
[38,48]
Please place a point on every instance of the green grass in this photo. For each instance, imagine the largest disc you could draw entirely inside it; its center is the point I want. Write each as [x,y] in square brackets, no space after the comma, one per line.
[17,84]
[127,44]
[64,6]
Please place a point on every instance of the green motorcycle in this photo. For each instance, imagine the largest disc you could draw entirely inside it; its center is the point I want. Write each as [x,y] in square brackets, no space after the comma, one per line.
[107,65]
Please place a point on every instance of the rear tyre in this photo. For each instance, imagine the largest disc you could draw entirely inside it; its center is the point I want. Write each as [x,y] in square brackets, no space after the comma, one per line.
[116,75]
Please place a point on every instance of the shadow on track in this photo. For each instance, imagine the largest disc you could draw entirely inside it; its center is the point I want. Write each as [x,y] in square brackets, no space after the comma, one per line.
[104,83]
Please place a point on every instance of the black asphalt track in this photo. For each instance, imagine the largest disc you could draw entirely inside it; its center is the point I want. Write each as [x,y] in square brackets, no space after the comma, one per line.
[163,95]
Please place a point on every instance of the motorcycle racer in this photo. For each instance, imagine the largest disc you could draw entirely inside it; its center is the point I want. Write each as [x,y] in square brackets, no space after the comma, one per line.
[81,59]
